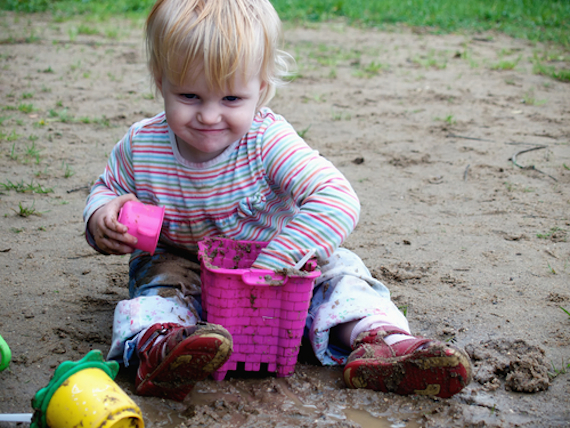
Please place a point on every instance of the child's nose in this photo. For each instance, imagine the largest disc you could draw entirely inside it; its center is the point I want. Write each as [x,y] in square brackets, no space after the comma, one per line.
[209,115]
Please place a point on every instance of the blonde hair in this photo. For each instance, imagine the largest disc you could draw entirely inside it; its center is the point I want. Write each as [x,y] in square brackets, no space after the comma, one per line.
[218,37]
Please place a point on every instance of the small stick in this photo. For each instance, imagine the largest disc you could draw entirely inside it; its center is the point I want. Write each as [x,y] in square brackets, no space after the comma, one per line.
[513,159]
[519,143]
[468,138]
[77,189]
[82,256]
[465,173]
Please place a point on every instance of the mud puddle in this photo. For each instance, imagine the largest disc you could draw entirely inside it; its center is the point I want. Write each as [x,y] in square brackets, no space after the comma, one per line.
[268,401]
[175,415]
[255,400]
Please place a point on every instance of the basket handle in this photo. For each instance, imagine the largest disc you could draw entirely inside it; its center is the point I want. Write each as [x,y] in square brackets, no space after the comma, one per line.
[264,278]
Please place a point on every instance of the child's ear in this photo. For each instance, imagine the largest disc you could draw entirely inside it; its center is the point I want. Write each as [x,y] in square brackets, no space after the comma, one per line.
[262,86]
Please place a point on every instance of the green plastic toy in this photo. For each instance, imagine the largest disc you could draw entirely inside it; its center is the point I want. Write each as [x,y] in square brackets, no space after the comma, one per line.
[5,354]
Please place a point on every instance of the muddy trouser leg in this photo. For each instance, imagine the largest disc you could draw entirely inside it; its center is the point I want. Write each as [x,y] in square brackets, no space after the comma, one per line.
[346,291]
[163,288]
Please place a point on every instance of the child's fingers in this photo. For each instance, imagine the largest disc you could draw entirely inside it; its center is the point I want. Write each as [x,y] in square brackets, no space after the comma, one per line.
[116,206]
[114,247]
[113,242]
[115,231]
[112,223]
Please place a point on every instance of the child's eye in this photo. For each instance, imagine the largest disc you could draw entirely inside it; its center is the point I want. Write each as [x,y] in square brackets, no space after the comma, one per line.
[231,98]
[189,96]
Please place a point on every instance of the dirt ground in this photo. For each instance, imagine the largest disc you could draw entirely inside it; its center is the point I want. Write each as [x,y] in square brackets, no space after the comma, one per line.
[470,234]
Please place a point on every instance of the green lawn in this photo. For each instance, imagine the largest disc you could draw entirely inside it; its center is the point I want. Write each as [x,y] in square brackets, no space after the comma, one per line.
[541,20]
[544,20]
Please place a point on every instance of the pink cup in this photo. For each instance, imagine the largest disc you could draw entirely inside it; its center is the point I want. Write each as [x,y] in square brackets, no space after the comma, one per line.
[144,222]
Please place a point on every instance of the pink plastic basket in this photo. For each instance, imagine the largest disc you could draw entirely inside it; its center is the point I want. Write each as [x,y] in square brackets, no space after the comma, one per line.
[263,310]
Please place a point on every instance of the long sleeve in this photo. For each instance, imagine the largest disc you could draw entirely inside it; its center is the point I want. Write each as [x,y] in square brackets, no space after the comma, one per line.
[269,186]
[328,206]
[117,180]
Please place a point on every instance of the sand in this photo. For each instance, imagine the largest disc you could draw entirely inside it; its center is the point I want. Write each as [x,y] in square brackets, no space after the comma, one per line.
[467,228]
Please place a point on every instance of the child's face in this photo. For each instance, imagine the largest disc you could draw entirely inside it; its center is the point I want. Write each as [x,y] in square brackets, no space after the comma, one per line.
[207,121]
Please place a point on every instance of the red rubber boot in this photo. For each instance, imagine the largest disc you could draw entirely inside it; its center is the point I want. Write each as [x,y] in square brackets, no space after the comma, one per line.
[173,358]
[416,366]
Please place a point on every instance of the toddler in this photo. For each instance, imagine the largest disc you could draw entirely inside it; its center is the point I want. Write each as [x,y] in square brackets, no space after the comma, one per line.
[221,163]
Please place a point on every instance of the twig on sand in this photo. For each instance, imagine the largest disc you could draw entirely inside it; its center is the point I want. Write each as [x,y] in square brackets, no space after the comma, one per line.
[77,189]
[82,256]
[466,172]
[468,138]
[513,159]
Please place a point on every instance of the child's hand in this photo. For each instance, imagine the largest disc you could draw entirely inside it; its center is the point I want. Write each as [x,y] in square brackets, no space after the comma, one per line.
[110,235]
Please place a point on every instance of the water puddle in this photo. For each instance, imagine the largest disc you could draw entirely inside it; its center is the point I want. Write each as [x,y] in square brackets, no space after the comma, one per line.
[366,420]
[361,417]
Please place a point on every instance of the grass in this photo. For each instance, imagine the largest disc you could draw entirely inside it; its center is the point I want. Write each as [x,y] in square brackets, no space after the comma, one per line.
[545,20]
[555,372]
[13,154]
[61,116]
[534,20]
[21,187]
[372,69]
[337,116]
[506,64]
[26,212]
[549,62]
[551,71]
[10,137]
[31,152]
[66,8]
[68,170]
[303,132]
[529,99]
[449,119]
[551,269]
[26,108]
[64,116]
[549,234]
[432,60]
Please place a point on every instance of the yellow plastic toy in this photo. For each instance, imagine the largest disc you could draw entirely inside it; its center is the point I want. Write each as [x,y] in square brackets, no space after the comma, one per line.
[83,394]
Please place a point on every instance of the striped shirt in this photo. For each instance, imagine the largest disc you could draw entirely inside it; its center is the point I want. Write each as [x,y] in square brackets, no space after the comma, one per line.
[269,186]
